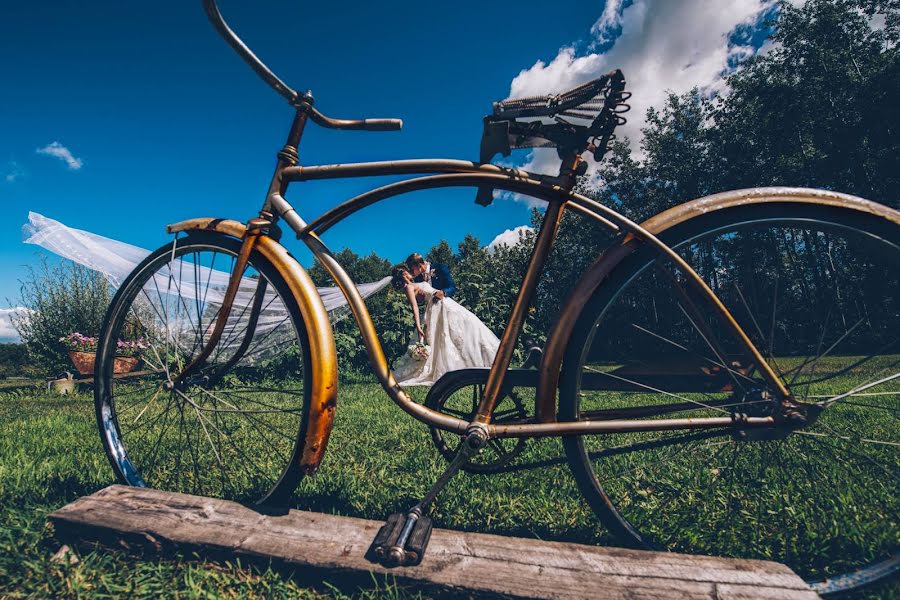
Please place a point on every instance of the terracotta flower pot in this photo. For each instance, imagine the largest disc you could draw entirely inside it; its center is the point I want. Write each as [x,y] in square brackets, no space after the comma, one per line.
[84,362]
[125,364]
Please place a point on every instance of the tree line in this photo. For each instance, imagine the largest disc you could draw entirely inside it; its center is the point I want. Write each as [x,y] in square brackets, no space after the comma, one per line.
[819,108]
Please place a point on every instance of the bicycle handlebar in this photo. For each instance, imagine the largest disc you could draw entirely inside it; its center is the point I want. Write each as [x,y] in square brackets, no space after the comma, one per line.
[292,96]
[219,24]
[366,124]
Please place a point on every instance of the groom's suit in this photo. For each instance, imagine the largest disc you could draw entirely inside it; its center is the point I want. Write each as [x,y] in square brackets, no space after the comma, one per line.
[440,278]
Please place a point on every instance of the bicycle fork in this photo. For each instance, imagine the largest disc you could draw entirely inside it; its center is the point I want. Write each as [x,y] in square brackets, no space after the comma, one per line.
[255,228]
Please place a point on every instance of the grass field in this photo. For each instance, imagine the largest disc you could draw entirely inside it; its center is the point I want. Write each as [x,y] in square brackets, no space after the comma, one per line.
[379,461]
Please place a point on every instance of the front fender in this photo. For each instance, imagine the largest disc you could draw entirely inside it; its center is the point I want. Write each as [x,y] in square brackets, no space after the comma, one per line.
[593,277]
[323,364]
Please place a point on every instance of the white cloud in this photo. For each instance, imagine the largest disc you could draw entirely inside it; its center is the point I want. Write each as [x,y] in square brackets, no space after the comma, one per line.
[543,161]
[664,47]
[12,172]
[510,237]
[8,333]
[604,28]
[59,151]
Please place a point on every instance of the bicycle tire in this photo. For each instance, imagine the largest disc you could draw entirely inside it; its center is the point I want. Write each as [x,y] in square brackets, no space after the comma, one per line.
[239,423]
[634,502]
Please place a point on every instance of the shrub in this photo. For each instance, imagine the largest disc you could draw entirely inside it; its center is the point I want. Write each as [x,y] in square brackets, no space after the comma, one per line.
[14,361]
[62,298]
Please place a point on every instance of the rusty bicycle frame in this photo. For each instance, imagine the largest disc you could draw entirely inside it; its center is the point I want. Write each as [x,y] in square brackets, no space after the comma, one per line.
[262,234]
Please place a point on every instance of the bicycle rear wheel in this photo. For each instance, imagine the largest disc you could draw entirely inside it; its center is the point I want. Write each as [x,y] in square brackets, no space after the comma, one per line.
[818,291]
[233,428]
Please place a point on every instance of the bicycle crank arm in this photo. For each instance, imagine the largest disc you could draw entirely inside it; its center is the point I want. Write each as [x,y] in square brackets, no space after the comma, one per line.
[403,538]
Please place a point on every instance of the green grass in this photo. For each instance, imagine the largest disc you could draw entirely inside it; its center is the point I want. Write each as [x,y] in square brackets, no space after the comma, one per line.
[379,461]
[822,500]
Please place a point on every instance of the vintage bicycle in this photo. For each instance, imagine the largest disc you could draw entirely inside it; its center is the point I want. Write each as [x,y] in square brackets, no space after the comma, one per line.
[724,376]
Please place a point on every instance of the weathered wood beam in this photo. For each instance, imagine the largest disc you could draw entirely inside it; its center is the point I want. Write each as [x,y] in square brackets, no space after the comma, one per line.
[466,562]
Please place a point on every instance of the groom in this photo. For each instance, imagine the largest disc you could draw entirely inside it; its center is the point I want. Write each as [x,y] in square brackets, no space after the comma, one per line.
[438,275]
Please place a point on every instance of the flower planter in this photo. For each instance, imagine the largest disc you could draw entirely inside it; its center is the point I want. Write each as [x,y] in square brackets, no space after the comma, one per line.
[84,362]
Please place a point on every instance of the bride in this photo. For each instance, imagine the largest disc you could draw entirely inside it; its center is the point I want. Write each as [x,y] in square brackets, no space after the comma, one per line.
[457,338]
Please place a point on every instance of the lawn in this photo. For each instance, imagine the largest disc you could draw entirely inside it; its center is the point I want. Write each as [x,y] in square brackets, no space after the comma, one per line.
[379,461]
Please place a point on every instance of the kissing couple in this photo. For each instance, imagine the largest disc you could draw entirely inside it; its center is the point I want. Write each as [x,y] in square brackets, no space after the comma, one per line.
[455,337]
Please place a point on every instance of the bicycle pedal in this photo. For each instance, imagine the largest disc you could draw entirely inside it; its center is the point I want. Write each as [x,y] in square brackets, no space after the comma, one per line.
[386,537]
[418,540]
[384,548]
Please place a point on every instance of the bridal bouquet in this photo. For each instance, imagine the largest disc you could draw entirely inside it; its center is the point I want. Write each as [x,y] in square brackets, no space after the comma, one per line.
[419,351]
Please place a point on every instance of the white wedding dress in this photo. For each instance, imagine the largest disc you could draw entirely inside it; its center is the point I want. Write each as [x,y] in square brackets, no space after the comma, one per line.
[458,340]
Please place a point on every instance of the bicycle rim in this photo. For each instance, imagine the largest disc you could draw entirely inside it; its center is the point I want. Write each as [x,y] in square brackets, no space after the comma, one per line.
[817,290]
[231,429]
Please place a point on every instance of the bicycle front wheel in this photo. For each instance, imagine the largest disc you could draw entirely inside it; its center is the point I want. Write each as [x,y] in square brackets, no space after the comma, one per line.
[232,428]
[818,291]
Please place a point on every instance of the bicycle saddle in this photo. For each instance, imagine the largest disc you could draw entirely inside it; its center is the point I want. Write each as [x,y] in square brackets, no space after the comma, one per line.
[591,110]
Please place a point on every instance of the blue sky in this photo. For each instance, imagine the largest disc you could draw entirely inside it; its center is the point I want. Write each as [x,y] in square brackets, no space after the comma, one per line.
[163,122]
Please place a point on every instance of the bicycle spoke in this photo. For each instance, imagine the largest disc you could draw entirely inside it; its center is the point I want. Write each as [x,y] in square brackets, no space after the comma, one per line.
[653,389]
[858,389]
[153,455]
[711,347]
[807,289]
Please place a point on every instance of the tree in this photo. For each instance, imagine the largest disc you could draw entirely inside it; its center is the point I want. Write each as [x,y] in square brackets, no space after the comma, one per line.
[14,361]
[822,108]
[442,254]
[472,272]
[360,269]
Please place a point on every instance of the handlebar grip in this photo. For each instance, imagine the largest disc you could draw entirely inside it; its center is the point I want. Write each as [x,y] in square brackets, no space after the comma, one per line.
[383,124]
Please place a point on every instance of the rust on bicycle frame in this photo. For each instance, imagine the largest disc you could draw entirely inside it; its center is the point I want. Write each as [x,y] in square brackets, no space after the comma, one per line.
[322,377]
[416,166]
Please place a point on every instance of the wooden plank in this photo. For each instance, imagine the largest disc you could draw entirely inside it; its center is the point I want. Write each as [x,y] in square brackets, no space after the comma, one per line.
[461,561]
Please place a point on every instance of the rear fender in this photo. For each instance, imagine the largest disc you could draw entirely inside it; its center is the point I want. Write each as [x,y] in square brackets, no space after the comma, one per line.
[596,274]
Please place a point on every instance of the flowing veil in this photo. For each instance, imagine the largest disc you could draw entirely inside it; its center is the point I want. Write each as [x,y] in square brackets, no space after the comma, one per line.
[115,260]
